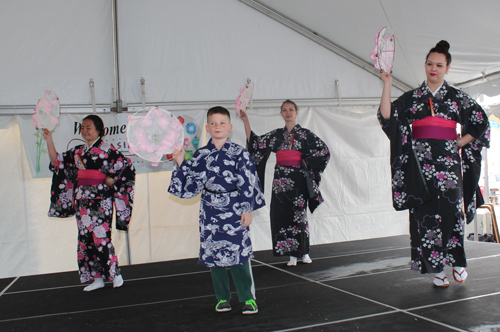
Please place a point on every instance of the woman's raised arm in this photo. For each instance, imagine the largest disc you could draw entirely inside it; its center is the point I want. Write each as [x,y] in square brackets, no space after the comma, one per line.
[246,122]
[50,146]
[385,100]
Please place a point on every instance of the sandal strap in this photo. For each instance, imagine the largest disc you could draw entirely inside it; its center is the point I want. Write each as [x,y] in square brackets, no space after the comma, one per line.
[444,281]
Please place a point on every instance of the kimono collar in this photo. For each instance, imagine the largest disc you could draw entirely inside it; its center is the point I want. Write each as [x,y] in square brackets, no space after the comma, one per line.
[86,147]
[297,127]
[439,93]
[212,146]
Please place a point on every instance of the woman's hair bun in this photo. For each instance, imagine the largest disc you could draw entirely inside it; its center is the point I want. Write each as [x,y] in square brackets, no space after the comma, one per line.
[443,46]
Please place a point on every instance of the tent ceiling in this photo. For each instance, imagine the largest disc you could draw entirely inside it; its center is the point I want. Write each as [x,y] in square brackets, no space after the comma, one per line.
[471,27]
[193,50]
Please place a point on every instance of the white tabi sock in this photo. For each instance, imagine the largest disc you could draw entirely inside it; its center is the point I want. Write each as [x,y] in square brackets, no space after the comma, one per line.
[117,281]
[459,273]
[98,283]
[441,280]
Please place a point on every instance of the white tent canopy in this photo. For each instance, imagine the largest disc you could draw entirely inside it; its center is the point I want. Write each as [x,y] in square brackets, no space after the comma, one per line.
[471,28]
[194,54]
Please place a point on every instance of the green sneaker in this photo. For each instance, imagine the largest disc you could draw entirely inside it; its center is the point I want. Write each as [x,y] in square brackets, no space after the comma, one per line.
[223,306]
[250,307]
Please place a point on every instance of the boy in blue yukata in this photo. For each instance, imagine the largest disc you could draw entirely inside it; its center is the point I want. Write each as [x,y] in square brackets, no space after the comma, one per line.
[225,174]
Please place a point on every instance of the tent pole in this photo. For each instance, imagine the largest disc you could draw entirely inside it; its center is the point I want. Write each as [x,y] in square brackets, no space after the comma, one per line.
[486,194]
[478,80]
[486,184]
[116,59]
[92,95]
[143,92]
[337,88]
[9,110]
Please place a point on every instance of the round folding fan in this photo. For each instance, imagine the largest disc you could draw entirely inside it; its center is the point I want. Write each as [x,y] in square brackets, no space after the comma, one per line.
[47,111]
[153,133]
[383,52]
[244,98]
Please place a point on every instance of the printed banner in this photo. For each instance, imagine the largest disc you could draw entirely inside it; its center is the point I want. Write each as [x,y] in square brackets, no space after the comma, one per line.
[67,135]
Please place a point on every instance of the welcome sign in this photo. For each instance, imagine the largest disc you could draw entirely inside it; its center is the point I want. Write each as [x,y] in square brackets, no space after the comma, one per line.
[67,134]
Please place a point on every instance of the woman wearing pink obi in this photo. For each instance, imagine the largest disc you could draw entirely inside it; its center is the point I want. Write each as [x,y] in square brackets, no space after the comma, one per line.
[88,180]
[299,153]
[435,172]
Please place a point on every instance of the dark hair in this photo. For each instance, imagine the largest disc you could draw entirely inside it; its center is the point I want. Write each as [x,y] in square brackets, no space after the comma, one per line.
[442,47]
[99,125]
[218,110]
[291,102]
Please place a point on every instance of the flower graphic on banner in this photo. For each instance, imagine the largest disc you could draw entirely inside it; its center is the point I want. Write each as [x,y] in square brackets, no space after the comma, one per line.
[191,136]
[191,128]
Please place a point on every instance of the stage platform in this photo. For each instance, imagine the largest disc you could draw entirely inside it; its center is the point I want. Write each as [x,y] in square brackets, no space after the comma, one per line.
[351,286]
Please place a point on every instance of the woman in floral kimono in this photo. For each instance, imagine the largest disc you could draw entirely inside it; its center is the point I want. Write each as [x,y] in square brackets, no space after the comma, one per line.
[435,172]
[299,155]
[87,180]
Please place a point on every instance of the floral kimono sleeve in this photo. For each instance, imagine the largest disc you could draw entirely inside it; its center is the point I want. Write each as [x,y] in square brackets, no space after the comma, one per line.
[408,184]
[316,156]
[474,122]
[123,172]
[251,196]
[260,148]
[63,185]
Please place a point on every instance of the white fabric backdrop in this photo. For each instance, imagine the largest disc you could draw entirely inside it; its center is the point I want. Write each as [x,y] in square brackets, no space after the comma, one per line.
[356,186]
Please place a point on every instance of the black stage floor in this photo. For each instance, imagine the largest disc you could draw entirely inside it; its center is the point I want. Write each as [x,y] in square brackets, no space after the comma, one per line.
[350,286]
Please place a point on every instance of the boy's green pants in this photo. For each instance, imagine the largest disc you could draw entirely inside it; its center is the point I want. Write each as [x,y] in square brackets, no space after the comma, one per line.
[242,278]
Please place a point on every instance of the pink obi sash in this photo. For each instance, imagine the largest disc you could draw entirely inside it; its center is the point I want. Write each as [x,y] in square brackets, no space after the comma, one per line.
[90,177]
[432,127]
[288,158]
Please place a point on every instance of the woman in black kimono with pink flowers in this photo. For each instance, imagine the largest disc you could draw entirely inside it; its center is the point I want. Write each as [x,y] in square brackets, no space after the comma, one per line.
[88,180]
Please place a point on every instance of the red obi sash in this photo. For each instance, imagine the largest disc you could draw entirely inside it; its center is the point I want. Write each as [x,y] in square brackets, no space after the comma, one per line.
[90,177]
[288,158]
[432,127]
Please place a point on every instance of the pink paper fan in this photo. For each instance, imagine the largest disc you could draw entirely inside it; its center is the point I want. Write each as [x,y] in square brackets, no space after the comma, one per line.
[176,125]
[47,111]
[383,52]
[244,97]
[151,135]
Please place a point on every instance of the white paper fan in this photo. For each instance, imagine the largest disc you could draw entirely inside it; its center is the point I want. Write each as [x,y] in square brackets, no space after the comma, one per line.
[154,134]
